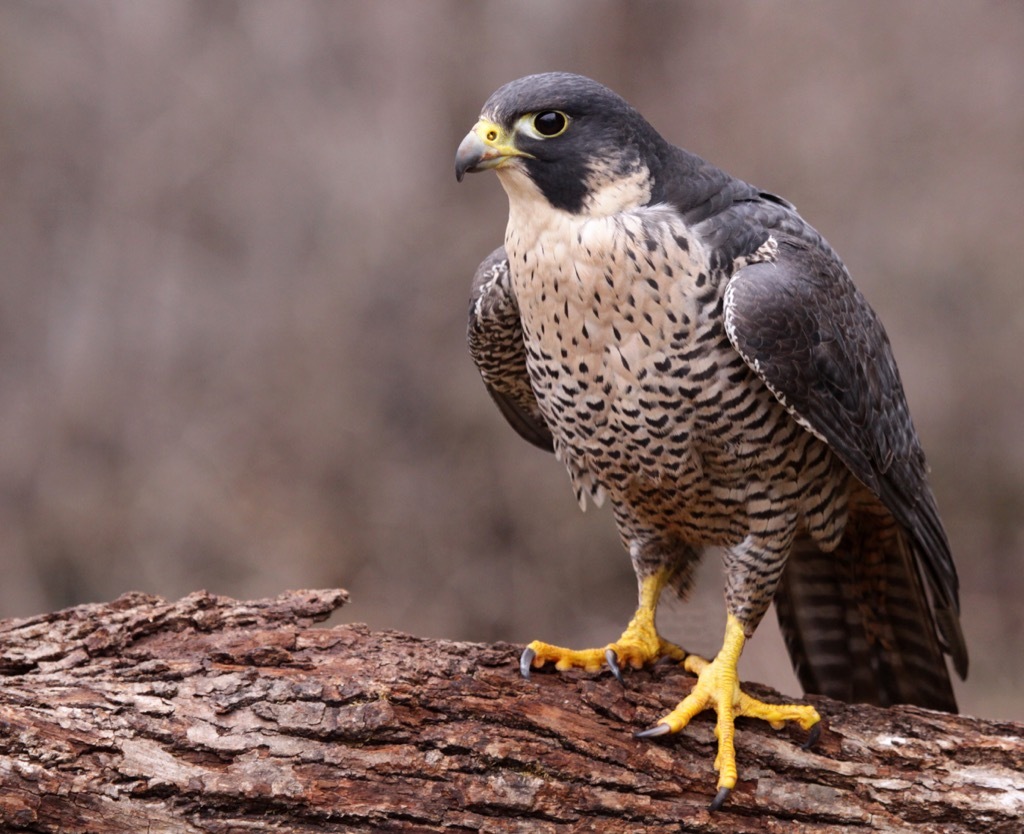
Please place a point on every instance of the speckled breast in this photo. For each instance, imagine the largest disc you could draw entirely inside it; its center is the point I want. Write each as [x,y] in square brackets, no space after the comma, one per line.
[626,348]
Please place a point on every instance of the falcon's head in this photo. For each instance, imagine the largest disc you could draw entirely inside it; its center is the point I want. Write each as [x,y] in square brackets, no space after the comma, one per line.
[578,144]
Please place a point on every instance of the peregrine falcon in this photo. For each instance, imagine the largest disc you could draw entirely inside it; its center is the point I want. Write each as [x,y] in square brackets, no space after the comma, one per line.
[696,354]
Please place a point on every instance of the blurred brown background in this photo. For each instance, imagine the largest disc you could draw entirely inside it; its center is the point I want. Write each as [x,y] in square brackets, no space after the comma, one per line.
[235,265]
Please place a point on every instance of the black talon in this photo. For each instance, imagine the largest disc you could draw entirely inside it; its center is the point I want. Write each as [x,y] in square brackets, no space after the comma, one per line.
[719,800]
[813,736]
[613,663]
[651,732]
[526,661]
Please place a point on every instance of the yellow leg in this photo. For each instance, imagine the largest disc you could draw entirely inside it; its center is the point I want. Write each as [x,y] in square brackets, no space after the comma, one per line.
[640,643]
[718,688]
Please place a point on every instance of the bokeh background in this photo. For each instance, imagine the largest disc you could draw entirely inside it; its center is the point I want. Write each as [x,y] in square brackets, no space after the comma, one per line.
[234,266]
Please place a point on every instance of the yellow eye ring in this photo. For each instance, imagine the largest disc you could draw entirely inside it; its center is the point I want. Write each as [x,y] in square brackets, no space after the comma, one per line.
[550,123]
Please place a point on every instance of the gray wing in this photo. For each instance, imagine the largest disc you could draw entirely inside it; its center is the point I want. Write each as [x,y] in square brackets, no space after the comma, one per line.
[495,337]
[803,327]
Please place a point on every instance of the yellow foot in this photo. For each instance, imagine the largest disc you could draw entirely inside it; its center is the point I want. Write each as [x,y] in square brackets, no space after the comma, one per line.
[639,644]
[626,651]
[718,688]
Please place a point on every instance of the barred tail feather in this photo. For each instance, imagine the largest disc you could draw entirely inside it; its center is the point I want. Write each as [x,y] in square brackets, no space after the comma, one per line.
[857,622]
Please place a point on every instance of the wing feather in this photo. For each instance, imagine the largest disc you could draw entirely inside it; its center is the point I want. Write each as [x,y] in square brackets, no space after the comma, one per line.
[495,336]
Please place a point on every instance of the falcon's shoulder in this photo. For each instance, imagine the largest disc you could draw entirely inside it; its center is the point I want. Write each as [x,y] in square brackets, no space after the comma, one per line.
[732,217]
[495,336]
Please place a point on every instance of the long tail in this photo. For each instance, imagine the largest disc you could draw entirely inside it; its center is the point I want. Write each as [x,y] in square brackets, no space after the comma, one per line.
[857,622]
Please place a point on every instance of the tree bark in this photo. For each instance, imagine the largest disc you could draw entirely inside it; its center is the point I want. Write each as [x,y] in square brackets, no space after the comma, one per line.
[212,715]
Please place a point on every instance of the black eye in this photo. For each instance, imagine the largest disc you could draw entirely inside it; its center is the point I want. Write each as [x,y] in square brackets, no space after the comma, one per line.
[550,123]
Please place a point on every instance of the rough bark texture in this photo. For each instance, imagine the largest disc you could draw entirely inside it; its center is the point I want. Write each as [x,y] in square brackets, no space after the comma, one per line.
[211,715]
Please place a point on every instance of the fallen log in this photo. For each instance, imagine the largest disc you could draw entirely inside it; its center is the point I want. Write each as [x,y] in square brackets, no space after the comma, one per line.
[217,716]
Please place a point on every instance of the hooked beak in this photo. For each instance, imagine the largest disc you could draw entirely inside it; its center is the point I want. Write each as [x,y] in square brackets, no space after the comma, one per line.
[485,146]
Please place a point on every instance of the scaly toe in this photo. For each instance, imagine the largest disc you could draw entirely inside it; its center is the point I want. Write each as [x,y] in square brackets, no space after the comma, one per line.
[636,647]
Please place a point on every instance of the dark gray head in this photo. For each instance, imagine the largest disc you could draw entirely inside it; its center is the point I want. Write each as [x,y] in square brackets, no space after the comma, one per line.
[570,135]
